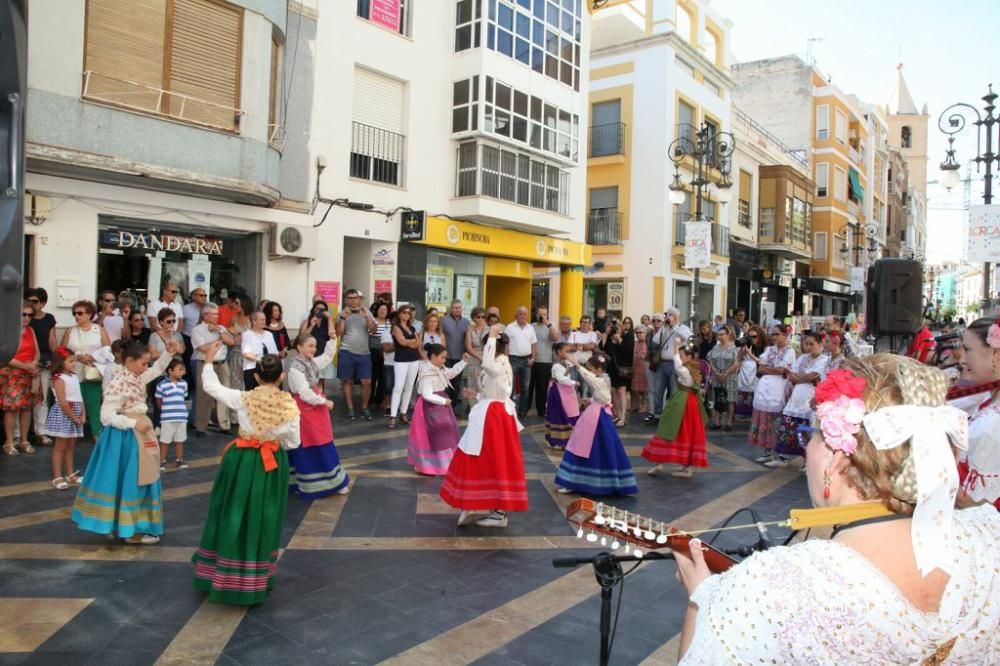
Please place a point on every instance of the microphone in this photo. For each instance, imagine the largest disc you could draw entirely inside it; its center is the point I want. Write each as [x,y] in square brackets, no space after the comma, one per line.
[764,540]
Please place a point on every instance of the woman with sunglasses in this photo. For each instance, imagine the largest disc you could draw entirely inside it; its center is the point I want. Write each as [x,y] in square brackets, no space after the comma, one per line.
[746,382]
[17,395]
[83,339]
[136,329]
[44,325]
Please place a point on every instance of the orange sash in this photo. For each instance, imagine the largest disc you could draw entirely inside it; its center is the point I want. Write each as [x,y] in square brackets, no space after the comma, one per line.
[267,451]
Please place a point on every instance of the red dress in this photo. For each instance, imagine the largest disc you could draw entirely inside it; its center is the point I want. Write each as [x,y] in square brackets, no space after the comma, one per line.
[683,441]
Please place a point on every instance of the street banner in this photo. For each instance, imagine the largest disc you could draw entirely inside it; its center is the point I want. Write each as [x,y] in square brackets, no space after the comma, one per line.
[857,278]
[984,234]
[698,244]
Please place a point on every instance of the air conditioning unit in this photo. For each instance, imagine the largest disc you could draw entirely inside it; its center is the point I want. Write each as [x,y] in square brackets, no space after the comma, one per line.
[290,240]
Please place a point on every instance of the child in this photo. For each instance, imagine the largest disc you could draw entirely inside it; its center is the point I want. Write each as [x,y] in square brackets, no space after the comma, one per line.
[809,369]
[487,471]
[66,418]
[562,407]
[315,466]
[433,435]
[680,436]
[237,556]
[121,493]
[108,361]
[170,396]
[595,461]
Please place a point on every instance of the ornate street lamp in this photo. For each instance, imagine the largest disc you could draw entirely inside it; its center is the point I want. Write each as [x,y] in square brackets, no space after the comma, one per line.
[710,150]
[952,121]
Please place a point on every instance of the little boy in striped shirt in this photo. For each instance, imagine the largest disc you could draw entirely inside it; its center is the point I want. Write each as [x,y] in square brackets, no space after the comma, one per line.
[171,393]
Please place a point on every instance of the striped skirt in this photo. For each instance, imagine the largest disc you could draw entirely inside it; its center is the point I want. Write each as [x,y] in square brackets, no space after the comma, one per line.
[607,471]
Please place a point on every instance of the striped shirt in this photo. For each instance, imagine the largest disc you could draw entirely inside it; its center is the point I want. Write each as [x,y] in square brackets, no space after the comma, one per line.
[172,394]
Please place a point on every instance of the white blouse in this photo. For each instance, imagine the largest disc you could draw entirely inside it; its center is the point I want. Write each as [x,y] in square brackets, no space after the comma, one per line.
[560,375]
[256,343]
[983,456]
[600,386]
[684,377]
[287,434]
[799,403]
[821,602]
[769,396]
[432,379]
[299,385]
[497,379]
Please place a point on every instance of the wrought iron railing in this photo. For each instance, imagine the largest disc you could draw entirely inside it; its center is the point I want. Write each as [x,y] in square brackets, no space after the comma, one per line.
[797,155]
[377,154]
[608,139]
[604,227]
[134,96]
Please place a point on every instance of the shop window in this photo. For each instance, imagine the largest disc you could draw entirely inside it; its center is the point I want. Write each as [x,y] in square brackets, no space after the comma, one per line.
[176,58]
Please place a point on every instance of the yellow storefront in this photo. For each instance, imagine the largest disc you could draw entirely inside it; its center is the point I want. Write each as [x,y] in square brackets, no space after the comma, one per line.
[442,259]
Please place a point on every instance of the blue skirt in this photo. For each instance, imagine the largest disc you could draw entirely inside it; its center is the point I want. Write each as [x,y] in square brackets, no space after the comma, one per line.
[558,426]
[606,472]
[110,500]
[316,471]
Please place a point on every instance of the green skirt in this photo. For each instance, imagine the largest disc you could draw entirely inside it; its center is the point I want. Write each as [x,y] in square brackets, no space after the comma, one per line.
[237,558]
[673,413]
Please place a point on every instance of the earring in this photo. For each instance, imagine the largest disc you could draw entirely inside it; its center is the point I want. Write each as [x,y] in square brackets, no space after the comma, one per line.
[826,483]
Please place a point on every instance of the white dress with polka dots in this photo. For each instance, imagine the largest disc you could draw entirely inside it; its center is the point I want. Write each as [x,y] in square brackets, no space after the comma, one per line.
[820,602]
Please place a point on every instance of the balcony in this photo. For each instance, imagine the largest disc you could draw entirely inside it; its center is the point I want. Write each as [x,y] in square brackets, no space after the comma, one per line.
[604,227]
[855,156]
[607,140]
[377,154]
[720,235]
[853,207]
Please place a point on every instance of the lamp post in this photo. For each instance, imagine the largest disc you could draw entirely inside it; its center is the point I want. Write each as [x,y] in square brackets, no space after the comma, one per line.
[871,232]
[952,121]
[709,149]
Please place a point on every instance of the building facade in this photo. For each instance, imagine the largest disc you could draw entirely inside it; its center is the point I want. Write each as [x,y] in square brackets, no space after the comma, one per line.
[167,139]
[908,136]
[897,218]
[659,69]
[449,137]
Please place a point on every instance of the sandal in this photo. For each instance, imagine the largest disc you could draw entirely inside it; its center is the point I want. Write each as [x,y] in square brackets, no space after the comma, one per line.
[9,450]
[59,483]
[404,418]
[392,421]
[144,540]
[620,423]
[75,478]
[25,447]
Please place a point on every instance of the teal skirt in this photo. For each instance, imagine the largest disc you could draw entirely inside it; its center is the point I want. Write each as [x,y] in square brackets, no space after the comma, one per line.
[110,500]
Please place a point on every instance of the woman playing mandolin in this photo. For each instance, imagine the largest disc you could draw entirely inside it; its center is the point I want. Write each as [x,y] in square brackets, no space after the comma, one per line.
[916,586]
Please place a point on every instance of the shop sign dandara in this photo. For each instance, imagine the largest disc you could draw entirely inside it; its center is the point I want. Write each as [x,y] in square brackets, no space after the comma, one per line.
[131,240]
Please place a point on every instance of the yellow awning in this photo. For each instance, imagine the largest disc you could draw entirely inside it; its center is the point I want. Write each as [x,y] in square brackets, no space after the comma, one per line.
[481,239]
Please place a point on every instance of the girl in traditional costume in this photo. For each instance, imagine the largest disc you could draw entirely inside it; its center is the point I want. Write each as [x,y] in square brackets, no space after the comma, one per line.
[595,461]
[121,494]
[809,369]
[433,435]
[315,466]
[237,558]
[562,406]
[487,472]
[680,436]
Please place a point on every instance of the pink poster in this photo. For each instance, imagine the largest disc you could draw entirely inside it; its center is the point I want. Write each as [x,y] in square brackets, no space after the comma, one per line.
[383,286]
[385,13]
[329,292]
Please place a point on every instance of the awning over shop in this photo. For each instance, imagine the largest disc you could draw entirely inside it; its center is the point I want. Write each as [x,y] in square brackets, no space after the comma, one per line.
[481,239]
[859,192]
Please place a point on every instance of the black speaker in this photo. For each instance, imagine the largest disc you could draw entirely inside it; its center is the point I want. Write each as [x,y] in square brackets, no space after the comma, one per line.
[895,297]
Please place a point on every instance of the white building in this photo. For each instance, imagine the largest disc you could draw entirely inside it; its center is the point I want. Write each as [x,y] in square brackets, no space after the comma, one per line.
[656,66]
[470,113]
[167,143]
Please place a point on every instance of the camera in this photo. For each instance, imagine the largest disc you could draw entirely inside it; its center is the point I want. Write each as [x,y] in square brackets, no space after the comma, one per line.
[742,342]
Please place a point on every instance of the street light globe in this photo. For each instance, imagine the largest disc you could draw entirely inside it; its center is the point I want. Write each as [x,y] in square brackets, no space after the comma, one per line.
[676,197]
[724,195]
[950,178]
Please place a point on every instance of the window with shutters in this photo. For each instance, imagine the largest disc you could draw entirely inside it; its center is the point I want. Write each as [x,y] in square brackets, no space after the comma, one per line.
[746,192]
[378,140]
[275,123]
[176,58]
[498,173]
[820,246]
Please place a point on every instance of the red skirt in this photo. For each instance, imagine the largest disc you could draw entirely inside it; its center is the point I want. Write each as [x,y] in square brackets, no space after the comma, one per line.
[689,447]
[315,426]
[495,478]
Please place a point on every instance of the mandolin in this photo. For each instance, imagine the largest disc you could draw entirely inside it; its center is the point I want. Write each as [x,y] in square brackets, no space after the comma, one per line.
[615,528]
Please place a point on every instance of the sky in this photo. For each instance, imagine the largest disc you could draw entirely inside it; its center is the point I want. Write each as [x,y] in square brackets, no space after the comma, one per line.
[950,51]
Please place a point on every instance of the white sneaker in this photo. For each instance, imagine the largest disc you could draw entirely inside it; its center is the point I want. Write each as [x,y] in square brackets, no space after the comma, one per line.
[145,540]
[563,491]
[495,519]
[777,462]
[467,518]
[655,469]
[766,458]
[344,490]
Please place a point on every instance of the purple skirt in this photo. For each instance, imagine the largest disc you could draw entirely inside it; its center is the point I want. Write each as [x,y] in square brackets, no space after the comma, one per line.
[788,436]
[558,426]
[433,437]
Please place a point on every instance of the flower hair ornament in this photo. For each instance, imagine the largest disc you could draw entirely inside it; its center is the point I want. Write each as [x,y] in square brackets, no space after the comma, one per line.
[993,335]
[62,352]
[840,409]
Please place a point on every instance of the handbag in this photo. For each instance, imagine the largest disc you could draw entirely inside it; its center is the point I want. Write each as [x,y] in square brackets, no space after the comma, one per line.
[91,374]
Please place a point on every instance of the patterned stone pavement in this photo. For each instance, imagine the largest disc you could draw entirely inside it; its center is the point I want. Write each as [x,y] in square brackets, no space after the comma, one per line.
[382,575]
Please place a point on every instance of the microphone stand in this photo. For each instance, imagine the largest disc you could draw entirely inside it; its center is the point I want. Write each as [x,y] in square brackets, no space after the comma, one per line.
[608,572]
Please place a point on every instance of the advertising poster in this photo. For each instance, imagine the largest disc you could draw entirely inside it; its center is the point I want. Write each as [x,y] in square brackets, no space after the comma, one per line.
[199,273]
[329,292]
[984,233]
[616,296]
[698,244]
[467,290]
[439,286]
[383,286]
[385,13]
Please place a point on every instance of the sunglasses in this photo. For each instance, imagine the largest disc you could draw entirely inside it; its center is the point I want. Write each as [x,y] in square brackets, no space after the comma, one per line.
[804,433]
[480,317]
[173,291]
[107,300]
[33,300]
[169,321]
[753,337]
[79,313]
[29,315]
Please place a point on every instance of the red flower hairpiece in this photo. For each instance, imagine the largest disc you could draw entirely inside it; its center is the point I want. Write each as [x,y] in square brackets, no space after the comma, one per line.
[62,352]
[841,382]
